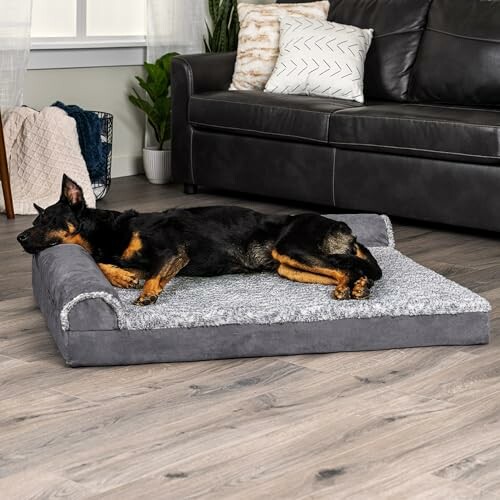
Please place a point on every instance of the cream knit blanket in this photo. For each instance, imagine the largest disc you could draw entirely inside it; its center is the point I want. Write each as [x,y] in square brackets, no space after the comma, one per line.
[41,147]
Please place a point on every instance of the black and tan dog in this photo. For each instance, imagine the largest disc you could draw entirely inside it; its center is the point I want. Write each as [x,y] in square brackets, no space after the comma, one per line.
[205,241]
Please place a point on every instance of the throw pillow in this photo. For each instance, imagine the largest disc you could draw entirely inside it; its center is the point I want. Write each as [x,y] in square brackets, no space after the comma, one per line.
[320,58]
[258,40]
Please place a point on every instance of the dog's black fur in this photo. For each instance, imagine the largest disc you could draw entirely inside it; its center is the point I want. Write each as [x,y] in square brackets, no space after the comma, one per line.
[204,241]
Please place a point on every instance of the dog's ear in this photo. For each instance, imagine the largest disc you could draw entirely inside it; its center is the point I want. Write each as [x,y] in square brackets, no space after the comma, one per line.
[72,193]
[39,209]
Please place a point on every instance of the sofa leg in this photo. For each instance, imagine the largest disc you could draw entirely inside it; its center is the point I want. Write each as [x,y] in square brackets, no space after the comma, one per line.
[190,188]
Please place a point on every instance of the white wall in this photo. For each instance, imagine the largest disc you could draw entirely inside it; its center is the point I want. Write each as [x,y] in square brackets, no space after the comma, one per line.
[100,89]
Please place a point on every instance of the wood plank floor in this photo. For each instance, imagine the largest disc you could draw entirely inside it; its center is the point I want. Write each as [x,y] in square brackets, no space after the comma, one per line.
[416,423]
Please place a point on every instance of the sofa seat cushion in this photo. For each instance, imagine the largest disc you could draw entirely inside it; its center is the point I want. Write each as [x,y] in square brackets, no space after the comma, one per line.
[293,117]
[445,132]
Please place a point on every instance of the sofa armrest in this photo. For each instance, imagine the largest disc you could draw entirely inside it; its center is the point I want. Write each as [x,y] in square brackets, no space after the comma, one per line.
[202,72]
[192,74]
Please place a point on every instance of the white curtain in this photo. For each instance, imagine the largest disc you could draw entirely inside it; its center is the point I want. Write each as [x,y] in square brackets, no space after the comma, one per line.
[175,26]
[15,27]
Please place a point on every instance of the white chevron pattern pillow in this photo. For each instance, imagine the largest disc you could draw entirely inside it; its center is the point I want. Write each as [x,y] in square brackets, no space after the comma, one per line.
[258,40]
[320,58]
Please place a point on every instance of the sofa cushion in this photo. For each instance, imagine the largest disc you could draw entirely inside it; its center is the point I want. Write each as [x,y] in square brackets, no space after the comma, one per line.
[398,26]
[298,118]
[320,58]
[459,58]
[431,131]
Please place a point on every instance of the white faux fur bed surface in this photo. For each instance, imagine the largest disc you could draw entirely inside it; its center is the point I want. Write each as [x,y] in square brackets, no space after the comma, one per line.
[406,289]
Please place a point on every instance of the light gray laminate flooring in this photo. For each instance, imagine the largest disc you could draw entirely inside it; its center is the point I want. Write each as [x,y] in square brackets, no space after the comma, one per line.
[415,423]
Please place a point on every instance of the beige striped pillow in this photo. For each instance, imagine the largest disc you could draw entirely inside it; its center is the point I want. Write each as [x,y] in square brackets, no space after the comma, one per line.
[258,41]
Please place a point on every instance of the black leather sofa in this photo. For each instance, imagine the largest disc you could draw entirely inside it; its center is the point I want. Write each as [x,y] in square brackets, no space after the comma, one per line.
[425,145]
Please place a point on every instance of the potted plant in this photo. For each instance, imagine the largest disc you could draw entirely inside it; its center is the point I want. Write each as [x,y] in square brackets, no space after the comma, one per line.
[223,37]
[157,105]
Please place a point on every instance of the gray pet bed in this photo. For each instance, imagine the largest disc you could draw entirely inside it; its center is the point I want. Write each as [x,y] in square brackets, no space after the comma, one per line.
[252,315]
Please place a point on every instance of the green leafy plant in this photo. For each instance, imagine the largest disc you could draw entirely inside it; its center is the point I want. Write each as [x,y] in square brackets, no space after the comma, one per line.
[158,103]
[224,35]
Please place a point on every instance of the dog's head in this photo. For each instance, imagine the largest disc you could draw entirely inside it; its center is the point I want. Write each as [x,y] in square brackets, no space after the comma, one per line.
[59,223]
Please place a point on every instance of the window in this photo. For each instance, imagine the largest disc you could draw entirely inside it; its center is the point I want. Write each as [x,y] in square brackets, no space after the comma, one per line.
[45,24]
[88,21]
[81,33]
[116,18]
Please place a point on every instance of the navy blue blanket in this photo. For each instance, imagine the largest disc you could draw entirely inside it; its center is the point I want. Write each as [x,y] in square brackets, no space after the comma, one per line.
[94,150]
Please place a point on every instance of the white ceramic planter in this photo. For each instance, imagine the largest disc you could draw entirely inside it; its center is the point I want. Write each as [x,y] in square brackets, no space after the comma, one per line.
[157,165]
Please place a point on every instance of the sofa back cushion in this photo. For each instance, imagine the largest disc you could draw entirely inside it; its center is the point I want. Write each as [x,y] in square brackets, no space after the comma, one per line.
[398,27]
[459,58]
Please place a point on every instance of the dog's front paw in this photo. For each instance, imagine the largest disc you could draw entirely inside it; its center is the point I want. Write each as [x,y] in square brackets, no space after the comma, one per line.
[120,277]
[127,280]
[145,300]
[341,293]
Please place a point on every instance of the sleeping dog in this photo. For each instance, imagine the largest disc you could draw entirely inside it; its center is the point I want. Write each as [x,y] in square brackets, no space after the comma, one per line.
[207,241]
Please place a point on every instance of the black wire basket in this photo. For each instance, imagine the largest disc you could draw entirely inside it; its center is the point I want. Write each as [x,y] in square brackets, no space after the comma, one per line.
[102,182]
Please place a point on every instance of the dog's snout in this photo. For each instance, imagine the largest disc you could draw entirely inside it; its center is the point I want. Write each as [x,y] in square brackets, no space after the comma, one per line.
[22,237]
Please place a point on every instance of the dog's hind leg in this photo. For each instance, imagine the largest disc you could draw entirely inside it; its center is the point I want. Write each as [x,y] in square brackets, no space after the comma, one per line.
[363,268]
[325,273]
[155,284]
[361,288]
[342,271]
[120,277]
[304,276]
[321,247]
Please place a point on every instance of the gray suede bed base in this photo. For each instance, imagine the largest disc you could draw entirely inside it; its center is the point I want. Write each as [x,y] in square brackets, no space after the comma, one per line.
[128,347]
[83,312]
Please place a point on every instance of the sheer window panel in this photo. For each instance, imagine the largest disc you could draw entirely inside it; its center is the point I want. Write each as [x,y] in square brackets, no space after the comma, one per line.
[54,18]
[108,18]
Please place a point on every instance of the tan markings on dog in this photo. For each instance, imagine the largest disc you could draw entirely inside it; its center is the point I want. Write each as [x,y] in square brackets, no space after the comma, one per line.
[122,278]
[338,275]
[134,246]
[139,273]
[303,276]
[361,289]
[77,239]
[155,284]
[70,236]
[152,288]
[341,292]
[359,253]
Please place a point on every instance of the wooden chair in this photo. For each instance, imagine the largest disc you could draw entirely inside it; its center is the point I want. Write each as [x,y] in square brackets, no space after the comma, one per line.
[5,177]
